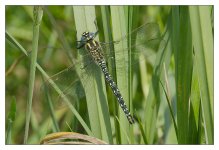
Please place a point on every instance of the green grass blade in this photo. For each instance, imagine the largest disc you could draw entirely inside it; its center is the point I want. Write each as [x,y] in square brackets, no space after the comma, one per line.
[202,37]
[130,19]
[95,92]
[170,108]
[141,127]
[183,70]
[15,43]
[119,30]
[10,121]
[194,116]
[38,14]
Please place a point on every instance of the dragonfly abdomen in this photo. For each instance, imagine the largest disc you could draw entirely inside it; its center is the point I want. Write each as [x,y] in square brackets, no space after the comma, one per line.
[116,91]
[94,49]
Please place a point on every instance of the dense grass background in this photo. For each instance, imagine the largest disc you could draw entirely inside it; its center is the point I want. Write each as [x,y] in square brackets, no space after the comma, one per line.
[171,94]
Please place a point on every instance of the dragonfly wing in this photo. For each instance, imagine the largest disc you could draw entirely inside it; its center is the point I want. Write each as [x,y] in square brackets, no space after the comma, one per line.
[143,40]
[72,80]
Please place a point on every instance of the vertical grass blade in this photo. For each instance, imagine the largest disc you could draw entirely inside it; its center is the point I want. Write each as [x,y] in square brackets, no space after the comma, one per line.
[132,11]
[195,106]
[202,37]
[170,108]
[95,92]
[119,27]
[105,11]
[183,69]
[38,14]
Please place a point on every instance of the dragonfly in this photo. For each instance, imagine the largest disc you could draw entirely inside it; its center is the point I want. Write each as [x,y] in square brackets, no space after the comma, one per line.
[145,36]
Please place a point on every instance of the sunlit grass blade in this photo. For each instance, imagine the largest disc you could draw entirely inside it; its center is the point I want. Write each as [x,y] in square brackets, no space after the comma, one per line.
[202,37]
[195,121]
[95,92]
[123,132]
[119,28]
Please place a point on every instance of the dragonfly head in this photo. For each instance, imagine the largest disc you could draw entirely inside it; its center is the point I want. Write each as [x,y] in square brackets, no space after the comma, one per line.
[86,36]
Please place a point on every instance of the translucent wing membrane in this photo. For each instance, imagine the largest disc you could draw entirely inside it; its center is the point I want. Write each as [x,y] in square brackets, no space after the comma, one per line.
[70,82]
[144,40]
[145,36]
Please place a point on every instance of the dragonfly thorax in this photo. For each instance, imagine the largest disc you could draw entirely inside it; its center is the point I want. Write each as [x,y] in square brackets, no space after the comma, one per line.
[95,51]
